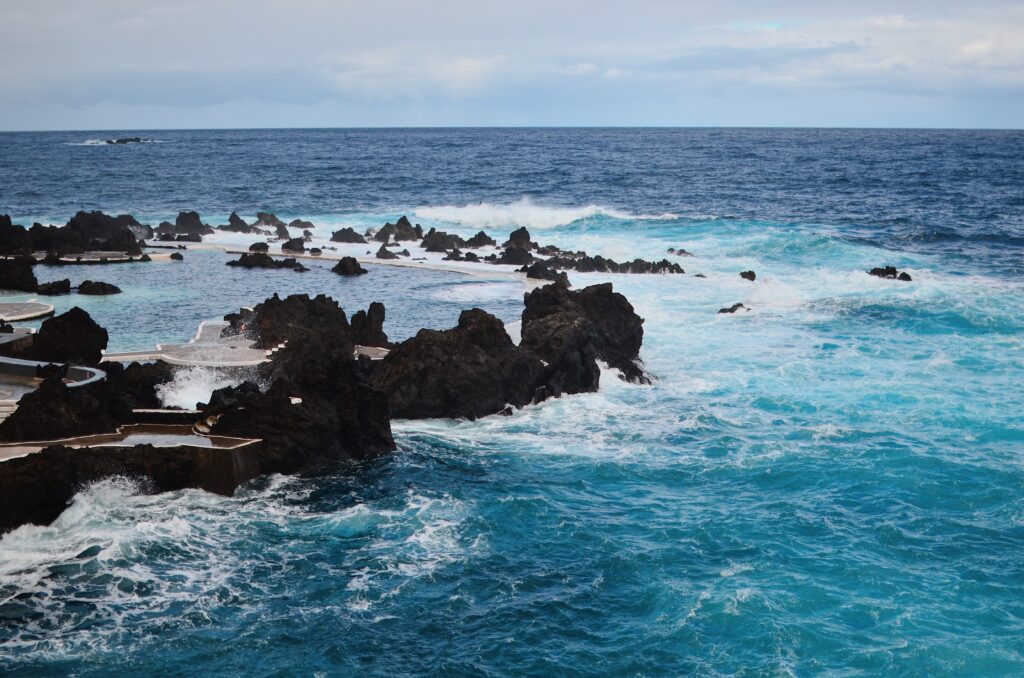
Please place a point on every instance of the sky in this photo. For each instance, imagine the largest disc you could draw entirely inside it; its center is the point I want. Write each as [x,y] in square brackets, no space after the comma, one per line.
[161,64]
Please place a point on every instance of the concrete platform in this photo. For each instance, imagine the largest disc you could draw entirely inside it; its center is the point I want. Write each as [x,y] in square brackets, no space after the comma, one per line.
[27,310]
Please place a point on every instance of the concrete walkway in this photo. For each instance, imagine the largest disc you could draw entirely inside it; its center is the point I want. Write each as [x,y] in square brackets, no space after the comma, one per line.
[28,310]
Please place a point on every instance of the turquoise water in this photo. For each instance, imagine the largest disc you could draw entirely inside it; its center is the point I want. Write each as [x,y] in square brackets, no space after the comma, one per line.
[832,483]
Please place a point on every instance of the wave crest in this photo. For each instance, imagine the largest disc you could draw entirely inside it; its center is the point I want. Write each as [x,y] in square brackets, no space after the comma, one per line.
[525,212]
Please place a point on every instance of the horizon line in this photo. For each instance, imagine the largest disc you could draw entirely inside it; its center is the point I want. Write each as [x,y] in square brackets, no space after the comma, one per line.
[522,127]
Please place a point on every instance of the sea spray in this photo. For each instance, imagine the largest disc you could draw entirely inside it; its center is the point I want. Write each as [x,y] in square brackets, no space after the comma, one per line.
[192,385]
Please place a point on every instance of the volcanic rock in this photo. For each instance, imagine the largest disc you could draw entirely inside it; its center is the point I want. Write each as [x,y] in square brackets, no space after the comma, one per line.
[748,275]
[347,235]
[368,326]
[16,274]
[733,308]
[55,288]
[97,288]
[349,266]
[481,239]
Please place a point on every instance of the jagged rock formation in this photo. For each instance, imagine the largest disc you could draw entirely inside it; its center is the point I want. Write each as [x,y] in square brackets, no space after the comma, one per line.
[439,241]
[347,235]
[368,326]
[400,230]
[97,288]
[264,260]
[17,274]
[890,273]
[185,224]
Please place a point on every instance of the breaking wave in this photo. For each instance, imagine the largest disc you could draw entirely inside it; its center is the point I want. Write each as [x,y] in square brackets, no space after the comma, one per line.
[525,212]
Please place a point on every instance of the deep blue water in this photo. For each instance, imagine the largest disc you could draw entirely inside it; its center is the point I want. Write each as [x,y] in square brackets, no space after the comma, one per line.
[830,484]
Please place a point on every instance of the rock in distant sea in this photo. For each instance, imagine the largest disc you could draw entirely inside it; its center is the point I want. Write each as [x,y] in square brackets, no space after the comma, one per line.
[890,273]
[97,288]
[748,275]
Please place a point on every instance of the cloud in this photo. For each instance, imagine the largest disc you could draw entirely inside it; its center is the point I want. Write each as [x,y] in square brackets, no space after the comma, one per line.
[532,62]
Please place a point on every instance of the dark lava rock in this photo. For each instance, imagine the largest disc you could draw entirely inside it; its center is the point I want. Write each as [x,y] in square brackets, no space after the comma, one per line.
[16,274]
[733,308]
[315,251]
[186,223]
[618,330]
[99,226]
[481,239]
[748,275]
[699,275]
[368,326]
[520,238]
[400,230]
[469,256]
[890,273]
[679,252]
[276,320]
[294,245]
[55,411]
[134,386]
[282,232]
[303,224]
[454,255]
[347,235]
[264,260]
[97,288]
[469,371]
[567,343]
[439,241]
[55,288]
[177,256]
[541,271]
[71,337]
[349,266]
[268,220]
[383,253]
[515,256]
[259,247]
[14,239]
[238,225]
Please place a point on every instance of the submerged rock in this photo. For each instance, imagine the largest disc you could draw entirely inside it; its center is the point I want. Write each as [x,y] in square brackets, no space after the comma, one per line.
[733,308]
[890,273]
[263,260]
[347,235]
[97,288]
[55,288]
[348,266]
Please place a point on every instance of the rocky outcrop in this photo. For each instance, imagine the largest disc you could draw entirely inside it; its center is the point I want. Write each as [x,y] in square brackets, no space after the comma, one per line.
[748,275]
[177,256]
[16,274]
[238,225]
[591,264]
[302,224]
[400,230]
[481,239]
[617,330]
[541,271]
[259,247]
[14,239]
[186,223]
[515,256]
[71,337]
[267,220]
[890,273]
[55,411]
[277,320]
[439,241]
[263,260]
[97,288]
[348,266]
[294,245]
[281,231]
[347,235]
[96,225]
[520,239]
[55,288]
[86,231]
[384,253]
[469,371]
[368,326]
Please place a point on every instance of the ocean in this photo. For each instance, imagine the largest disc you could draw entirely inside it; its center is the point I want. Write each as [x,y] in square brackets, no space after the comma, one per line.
[829,484]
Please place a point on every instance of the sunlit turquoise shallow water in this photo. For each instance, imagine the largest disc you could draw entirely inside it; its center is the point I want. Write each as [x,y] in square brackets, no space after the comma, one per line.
[832,483]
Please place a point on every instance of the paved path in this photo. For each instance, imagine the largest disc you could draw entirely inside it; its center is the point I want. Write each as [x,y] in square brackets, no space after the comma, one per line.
[28,310]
